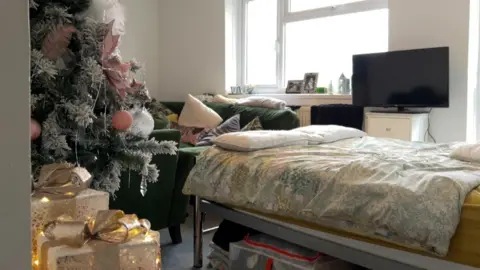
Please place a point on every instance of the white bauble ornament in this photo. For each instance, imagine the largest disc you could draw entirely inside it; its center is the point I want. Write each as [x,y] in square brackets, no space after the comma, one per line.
[143,123]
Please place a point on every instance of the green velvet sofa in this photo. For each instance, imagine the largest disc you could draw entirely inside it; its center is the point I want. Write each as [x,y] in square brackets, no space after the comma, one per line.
[271,119]
[164,204]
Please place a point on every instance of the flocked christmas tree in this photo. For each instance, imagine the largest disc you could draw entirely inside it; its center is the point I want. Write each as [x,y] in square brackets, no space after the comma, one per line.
[83,94]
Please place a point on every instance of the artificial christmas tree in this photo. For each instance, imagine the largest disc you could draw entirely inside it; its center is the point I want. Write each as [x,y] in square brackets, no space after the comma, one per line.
[88,125]
[81,91]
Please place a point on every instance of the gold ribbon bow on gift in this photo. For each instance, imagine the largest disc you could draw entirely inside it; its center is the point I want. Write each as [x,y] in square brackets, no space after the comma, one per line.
[108,226]
[112,226]
[62,180]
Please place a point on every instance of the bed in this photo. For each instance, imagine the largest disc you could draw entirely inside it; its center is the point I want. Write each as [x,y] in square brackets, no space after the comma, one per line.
[378,203]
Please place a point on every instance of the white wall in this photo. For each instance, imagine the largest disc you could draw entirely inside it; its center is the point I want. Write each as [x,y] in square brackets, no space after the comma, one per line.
[182,43]
[15,136]
[143,39]
[431,23]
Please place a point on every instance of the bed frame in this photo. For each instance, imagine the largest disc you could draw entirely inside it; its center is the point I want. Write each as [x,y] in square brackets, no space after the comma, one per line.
[361,253]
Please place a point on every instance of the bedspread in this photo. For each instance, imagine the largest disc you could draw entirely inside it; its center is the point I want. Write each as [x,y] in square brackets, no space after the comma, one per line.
[409,193]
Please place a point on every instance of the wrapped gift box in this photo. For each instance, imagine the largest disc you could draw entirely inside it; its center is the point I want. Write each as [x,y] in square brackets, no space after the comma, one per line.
[141,252]
[263,252]
[45,208]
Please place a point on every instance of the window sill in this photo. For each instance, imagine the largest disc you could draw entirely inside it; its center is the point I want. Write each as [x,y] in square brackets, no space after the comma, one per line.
[304,99]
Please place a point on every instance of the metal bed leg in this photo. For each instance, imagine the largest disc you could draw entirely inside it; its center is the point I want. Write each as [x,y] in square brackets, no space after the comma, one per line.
[197,234]
[210,229]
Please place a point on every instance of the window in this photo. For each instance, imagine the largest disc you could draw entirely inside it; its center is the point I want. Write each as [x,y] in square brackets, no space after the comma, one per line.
[301,5]
[281,40]
[261,34]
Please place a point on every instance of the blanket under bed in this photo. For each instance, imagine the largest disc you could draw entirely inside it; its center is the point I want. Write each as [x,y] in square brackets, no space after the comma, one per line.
[409,193]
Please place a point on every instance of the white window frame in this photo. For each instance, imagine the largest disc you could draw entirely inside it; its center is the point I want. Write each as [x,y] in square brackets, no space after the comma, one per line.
[284,16]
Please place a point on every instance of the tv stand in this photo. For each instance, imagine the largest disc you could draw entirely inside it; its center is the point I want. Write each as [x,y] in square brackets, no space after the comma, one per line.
[398,110]
[407,126]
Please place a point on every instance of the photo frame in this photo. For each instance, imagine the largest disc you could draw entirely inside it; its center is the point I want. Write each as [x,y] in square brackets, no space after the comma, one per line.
[310,82]
[294,87]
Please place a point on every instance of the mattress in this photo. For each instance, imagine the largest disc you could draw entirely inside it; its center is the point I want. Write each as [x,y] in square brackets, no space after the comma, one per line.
[464,246]
[408,193]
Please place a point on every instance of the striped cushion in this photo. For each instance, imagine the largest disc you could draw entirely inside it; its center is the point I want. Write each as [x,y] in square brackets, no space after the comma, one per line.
[207,136]
[255,124]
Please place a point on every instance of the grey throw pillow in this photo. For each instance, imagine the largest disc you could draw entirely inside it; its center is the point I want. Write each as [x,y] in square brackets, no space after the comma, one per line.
[231,125]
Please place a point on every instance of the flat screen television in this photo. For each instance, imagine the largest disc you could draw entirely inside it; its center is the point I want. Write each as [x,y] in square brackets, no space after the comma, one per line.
[402,79]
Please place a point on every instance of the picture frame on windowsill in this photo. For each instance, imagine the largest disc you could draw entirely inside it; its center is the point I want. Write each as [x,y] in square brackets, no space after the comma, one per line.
[310,83]
[294,87]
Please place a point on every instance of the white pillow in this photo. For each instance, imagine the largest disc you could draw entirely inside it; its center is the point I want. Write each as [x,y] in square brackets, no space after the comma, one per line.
[197,114]
[264,102]
[260,139]
[467,152]
[318,134]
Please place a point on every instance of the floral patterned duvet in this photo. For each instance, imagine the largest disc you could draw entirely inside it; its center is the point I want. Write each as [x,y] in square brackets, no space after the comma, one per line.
[409,193]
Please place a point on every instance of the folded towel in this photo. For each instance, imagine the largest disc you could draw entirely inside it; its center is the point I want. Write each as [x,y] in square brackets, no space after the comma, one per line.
[467,152]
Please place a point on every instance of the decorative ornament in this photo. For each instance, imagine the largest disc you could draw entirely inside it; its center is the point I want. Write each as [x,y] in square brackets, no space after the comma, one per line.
[135,86]
[117,73]
[63,180]
[35,129]
[110,42]
[122,120]
[143,122]
[135,66]
[112,226]
[56,43]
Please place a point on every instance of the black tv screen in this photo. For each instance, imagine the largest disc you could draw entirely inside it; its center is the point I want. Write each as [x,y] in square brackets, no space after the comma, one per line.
[412,78]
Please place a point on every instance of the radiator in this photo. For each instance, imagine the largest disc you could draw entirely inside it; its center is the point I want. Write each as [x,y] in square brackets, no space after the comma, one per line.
[304,115]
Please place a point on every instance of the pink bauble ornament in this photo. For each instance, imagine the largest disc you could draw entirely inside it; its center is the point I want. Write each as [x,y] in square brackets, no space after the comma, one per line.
[122,120]
[35,129]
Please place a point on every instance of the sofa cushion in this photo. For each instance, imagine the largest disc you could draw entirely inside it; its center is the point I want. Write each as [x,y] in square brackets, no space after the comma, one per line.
[224,110]
[161,122]
[222,99]
[271,119]
[197,114]
[161,114]
[174,106]
[255,124]
[185,145]
[207,136]
[193,151]
[188,134]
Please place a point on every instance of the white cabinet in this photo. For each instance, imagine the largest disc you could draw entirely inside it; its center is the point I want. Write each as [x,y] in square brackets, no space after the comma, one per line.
[403,126]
